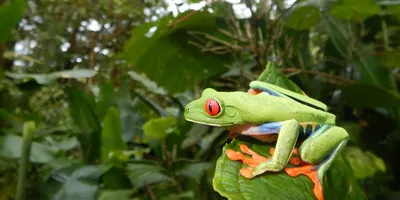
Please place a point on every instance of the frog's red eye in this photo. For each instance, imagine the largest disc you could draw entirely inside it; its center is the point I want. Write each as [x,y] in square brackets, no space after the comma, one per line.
[212,107]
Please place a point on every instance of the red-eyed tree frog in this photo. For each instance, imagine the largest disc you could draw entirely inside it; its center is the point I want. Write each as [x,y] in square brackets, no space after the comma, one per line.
[267,110]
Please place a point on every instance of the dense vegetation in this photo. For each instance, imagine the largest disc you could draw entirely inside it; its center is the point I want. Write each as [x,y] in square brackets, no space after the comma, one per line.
[92,92]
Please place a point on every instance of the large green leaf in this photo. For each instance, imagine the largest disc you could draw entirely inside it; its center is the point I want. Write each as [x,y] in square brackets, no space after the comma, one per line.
[51,77]
[105,100]
[11,148]
[161,51]
[116,194]
[141,174]
[159,128]
[111,134]
[364,164]
[304,15]
[195,170]
[82,110]
[369,96]
[272,75]
[11,12]
[73,182]
[356,10]
[339,184]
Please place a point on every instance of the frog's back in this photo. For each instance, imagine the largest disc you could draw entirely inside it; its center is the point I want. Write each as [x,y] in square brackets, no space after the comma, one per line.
[263,107]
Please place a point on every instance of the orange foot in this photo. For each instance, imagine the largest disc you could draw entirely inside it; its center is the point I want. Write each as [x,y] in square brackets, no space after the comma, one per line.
[252,162]
[294,160]
[312,174]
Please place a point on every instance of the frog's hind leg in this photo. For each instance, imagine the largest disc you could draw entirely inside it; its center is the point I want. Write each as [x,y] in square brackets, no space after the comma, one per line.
[319,151]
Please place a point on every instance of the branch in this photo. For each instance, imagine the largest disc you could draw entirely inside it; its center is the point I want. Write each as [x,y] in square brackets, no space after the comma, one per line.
[337,79]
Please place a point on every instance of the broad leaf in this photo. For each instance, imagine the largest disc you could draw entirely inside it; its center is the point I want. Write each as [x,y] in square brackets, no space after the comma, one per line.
[158,50]
[151,86]
[82,110]
[116,194]
[51,77]
[339,184]
[364,164]
[356,10]
[304,15]
[141,174]
[12,11]
[159,128]
[111,134]
[390,59]
[73,182]
[195,170]
[105,100]
[10,148]
[272,75]
[369,96]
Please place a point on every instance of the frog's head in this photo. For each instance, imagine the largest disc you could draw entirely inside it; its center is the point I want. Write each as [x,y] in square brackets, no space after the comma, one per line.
[213,108]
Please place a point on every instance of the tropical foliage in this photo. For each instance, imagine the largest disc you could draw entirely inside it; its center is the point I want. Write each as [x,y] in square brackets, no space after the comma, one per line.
[92,94]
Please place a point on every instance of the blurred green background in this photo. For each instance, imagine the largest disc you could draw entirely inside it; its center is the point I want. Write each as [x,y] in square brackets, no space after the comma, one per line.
[96,89]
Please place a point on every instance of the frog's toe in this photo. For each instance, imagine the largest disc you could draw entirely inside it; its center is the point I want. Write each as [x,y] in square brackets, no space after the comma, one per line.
[272,151]
[312,173]
[234,155]
[254,156]
[247,173]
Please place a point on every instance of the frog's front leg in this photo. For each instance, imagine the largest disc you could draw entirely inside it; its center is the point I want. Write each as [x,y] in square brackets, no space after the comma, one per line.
[287,137]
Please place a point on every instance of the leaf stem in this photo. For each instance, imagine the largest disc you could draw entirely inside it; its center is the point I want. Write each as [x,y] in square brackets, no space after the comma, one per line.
[29,127]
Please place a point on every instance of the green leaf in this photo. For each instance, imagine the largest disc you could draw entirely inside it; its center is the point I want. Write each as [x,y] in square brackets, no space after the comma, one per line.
[361,95]
[82,110]
[372,71]
[390,59]
[116,194]
[111,134]
[340,183]
[354,130]
[272,75]
[146,173]
[161,51]
[106,99]
[11,145]
[13,12]
[195,170]
[356,10]
[304,15]
[338,35]
[184,195]
[364,164]
[159,128]
[52,77]
[73,182]
[83,113]
[148,84]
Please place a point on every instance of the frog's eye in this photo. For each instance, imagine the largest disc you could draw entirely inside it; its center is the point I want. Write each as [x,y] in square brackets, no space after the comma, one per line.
[212,107]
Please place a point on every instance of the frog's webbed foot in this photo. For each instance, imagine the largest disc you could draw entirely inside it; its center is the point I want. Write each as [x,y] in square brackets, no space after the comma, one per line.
[255,160]
[252,162]
[310,171]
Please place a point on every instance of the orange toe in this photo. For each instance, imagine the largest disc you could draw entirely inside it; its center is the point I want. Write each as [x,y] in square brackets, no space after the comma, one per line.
[295,161]
[244,148]
[296,151]
[312,174]
[233,155]
[272,151]
[246,172]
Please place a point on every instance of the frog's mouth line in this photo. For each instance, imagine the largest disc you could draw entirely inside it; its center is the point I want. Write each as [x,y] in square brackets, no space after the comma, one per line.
[210,124]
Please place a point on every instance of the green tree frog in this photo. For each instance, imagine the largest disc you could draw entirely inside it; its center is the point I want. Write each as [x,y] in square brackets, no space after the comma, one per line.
[266,111]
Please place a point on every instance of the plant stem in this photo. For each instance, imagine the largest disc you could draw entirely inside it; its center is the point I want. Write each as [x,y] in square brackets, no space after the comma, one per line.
[23,166]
